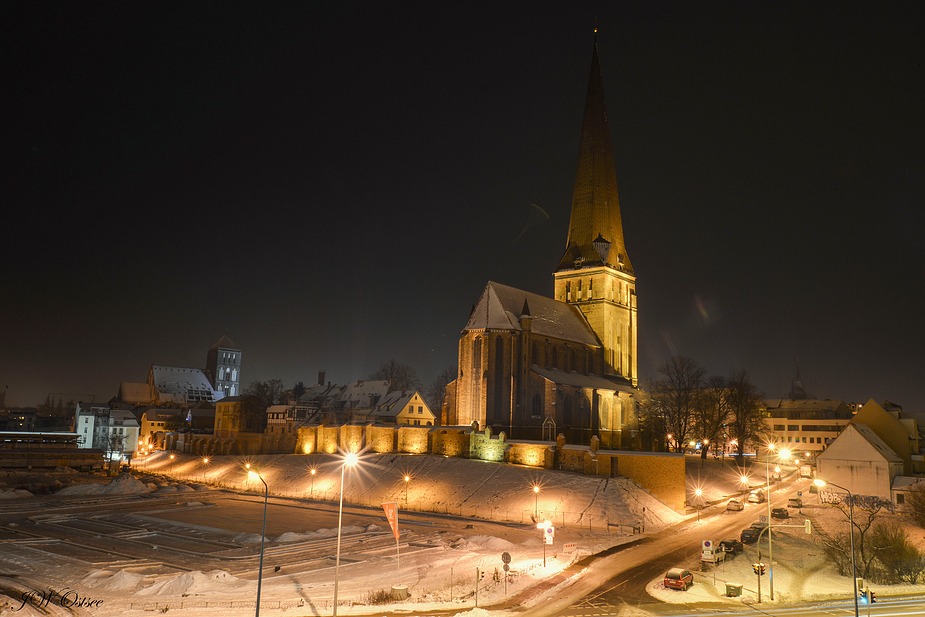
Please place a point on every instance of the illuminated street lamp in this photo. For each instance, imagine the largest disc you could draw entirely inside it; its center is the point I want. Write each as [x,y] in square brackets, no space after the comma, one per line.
[205,461]
[314,471]
[783,455]
[266,494]
[854,571]
[350,459]
[536,502]
[407,480]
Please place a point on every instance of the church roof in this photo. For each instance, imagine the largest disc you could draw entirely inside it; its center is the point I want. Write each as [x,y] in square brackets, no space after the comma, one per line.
[595,203]
[225,343]
[500,308]
[580,380]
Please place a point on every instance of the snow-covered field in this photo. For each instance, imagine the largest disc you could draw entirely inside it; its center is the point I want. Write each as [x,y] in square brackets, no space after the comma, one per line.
[438,566]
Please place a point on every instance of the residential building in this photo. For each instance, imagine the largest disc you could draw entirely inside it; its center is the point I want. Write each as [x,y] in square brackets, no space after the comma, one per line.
[403,408]
[805,425]
[101,427]
[861,462]
[238,414]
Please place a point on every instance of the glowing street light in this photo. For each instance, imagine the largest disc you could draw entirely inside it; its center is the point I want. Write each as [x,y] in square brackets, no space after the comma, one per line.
[266,493]
[205,461]
[314,471]
[407,480]
[782,455]
[536,502]
[350,460]
[854,571]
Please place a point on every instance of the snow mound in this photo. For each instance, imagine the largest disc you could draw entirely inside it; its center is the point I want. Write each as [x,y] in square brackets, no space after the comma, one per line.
[196,582]
[490,542]
[475,612]
[292,536]
[15,493]
[120,581]
[167,489]
[373,527]
[194,503]
[125,485]
[246,538]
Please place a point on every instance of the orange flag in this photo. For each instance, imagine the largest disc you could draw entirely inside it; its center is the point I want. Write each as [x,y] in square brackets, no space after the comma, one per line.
[391,513]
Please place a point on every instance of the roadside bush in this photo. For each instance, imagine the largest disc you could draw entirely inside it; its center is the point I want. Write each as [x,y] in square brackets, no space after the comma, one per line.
[381,596]
[899,560]
[915,502]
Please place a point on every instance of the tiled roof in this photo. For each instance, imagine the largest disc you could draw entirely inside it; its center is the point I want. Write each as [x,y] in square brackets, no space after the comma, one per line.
[500,308]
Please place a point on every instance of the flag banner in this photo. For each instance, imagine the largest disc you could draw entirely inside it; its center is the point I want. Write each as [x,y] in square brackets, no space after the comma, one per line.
[391,513]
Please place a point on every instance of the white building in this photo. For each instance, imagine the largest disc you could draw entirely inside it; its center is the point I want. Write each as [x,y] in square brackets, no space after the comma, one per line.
[114,431]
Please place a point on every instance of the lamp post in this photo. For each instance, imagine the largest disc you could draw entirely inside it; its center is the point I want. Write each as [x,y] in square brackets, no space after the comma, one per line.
[699,493]
[854,571]
[784,455]
[314,471]
[536,502]
[350,459]
[407,480]
[266,494]
[205,462]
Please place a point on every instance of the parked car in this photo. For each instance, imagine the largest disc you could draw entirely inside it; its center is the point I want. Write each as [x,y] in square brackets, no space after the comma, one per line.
[735,504]
[712,553]
[758,525]
[749,535]
[780,513]
[795,502]
[756,496]
[676,578]
[731,545]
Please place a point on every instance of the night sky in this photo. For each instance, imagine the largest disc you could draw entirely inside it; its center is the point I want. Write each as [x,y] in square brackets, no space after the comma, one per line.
[335,185]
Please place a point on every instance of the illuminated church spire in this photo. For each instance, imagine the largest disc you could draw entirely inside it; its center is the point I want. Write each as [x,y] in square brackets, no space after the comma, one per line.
[595,204]
[595,273]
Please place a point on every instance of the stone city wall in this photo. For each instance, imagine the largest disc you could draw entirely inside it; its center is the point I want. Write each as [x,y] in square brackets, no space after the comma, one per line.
[661,474]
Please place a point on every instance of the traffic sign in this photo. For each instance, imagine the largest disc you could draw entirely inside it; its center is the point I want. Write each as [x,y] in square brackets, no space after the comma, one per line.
[506,558]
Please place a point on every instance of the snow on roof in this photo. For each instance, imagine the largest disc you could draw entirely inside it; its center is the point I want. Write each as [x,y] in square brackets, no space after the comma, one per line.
[876,442]
[189,382]
[500,308]
[902,483]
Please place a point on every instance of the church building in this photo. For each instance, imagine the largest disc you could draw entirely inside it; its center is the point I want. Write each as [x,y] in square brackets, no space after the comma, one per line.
[535,367]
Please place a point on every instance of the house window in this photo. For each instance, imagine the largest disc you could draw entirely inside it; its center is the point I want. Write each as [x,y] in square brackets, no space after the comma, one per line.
[900,499]
[420,410]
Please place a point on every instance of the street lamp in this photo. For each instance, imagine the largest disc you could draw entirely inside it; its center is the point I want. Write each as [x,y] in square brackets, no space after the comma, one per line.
[314,471]
[699,493]
[266,494]
[407,480]
[350,459]
[536,502]
[205,461]
[783,455]
[854,572]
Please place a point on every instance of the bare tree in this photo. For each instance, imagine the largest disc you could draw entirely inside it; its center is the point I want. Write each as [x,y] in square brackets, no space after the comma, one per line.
[675,397]
[434,392]
[900,560]
[400,376]
[744,402]
[838,546]
[712,412]
[267,392]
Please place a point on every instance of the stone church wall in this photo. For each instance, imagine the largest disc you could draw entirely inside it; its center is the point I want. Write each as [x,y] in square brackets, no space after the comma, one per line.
[661,474]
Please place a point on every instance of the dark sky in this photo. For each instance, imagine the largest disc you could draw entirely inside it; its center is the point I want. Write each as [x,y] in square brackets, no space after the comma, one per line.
[334,185]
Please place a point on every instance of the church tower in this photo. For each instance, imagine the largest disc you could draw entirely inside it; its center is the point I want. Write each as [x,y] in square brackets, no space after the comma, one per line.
[595,273]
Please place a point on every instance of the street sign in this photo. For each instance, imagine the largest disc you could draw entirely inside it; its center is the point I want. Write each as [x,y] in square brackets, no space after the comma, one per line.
[506,568]
[707,544]
[763,518]
[506,558]
[569,547]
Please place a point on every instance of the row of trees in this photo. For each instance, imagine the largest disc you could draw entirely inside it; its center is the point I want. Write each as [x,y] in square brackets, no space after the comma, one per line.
[687,404]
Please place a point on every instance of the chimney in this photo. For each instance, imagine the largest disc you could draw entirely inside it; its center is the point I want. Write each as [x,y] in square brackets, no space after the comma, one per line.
[320,378]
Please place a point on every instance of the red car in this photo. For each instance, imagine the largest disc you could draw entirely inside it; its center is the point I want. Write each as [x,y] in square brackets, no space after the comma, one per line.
[676,578]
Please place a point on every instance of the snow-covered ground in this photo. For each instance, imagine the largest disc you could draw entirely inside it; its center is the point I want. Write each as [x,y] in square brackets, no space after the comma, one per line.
[438,566]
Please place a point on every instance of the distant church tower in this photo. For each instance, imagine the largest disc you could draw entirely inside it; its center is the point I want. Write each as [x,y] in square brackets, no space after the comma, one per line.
[223,366]
[595,273]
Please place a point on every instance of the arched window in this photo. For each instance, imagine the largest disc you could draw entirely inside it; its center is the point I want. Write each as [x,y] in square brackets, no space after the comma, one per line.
[537,408]
[533,353]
